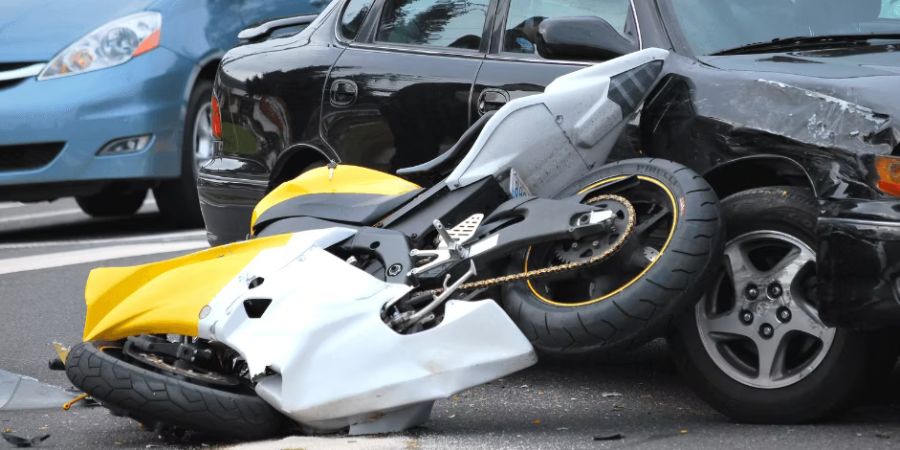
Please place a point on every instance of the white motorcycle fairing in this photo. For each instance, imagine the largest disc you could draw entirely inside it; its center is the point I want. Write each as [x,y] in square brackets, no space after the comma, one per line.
[580,116]
[322,355]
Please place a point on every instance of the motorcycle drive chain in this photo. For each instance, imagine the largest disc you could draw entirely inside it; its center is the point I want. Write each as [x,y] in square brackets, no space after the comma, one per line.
[560,268]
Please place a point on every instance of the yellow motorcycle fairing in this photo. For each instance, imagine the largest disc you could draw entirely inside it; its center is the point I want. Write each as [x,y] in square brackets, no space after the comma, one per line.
[165,296]
[343,179]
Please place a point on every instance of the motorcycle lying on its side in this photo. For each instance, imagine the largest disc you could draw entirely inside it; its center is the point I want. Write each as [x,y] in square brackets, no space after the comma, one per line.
[362,298]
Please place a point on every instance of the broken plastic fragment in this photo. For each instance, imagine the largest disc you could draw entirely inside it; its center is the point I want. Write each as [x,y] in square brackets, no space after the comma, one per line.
[21,442]
[609,437]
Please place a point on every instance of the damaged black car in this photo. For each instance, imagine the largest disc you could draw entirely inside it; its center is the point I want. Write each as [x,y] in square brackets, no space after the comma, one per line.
[789,108]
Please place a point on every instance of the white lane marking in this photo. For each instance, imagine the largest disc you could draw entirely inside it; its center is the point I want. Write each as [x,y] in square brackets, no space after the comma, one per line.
[332,443]
[48,214]
[41,215]
[148,237]
[71,258]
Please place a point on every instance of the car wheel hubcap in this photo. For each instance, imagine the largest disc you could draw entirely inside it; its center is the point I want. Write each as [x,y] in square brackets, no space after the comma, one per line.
[759,325]
[203,140]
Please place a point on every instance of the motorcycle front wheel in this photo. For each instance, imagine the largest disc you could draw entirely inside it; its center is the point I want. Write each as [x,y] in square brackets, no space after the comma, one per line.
[165,401]
[635,295]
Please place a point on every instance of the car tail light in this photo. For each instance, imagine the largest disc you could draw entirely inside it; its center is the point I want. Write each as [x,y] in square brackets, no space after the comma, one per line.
[888,170]
[216,119]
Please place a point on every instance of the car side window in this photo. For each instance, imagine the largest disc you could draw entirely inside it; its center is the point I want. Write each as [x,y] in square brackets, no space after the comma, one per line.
[524,16]
[437,23]
[352,18]
[890,9]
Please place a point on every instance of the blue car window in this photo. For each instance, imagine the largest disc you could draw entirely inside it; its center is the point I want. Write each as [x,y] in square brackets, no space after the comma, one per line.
[525,15]
[352,18]
[441,23]
[890,9]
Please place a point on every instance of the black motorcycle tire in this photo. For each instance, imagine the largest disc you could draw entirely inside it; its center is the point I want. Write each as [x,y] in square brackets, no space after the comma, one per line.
[163,401]
[646,307]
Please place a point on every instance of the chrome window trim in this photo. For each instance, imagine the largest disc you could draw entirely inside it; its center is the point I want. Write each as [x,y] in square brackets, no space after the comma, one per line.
[637,26]
[427,50]
[22,72]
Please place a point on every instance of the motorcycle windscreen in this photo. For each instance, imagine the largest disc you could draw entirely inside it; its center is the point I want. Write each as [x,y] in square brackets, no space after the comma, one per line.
[166,296]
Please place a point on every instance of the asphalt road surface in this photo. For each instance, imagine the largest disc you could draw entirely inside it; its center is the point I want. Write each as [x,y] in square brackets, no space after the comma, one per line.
[47,250]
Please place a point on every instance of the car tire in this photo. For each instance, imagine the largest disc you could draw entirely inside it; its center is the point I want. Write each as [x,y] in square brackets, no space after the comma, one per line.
[813,371]
[112,202]
[640,305]
[177,199]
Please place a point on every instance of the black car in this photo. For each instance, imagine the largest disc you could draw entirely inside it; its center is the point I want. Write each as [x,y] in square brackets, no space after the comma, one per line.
[789,108]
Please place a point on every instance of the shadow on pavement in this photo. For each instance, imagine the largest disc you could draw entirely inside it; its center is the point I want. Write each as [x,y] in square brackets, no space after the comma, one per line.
[89,228]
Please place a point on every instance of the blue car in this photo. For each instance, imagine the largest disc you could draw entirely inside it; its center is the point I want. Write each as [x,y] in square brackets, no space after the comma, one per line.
[103,99]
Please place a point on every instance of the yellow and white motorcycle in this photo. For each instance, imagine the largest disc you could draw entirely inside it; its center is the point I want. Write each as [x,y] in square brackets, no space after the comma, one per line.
[362,297]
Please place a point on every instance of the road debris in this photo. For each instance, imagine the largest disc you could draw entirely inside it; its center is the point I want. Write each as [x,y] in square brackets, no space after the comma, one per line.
[18,392]
[24,442]
[610,394]
[609,437]
[68,405]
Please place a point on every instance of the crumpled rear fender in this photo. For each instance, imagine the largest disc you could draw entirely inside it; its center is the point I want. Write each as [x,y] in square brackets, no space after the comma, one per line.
[165,296]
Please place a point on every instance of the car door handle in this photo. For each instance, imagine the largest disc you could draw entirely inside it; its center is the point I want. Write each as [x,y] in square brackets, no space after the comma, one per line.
[343,93]
[492,100]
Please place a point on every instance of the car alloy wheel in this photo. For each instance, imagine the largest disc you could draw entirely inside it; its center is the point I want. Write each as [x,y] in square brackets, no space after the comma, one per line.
[759,325]
[203,138]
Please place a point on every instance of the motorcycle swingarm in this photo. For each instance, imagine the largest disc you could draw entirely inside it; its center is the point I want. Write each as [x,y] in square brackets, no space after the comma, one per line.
[527,221]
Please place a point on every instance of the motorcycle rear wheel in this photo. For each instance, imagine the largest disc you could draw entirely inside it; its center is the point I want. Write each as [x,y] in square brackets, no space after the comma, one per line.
[162,401]
[624,302]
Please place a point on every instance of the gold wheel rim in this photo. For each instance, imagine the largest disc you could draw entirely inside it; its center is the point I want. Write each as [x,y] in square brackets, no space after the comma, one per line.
[643,272]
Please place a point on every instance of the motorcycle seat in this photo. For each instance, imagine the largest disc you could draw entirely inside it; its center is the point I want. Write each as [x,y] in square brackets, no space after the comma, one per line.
[350,195]
[351,209]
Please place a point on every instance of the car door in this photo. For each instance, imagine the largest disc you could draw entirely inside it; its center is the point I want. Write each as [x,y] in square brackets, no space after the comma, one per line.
[513,68]
[400,92]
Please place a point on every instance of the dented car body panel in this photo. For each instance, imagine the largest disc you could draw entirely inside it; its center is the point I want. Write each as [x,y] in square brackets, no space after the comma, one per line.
[823,116]
[859,263]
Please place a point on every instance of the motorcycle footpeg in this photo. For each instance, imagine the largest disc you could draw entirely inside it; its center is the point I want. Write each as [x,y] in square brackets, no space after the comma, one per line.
[450,251]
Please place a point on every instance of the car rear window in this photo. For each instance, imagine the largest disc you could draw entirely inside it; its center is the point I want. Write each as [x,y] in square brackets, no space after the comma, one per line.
[525,15]
[352,18]
[438,23]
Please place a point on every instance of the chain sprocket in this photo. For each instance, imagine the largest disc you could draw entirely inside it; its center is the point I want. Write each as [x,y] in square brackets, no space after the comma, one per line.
[566,267]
